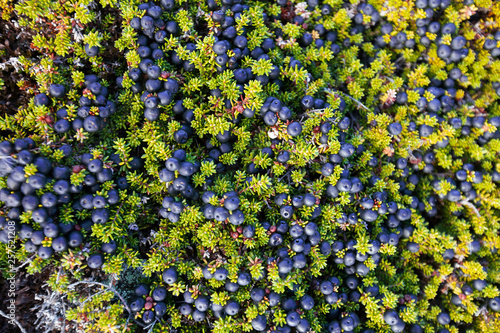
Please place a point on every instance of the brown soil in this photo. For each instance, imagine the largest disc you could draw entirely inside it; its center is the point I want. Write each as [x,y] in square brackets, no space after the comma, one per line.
[26,288]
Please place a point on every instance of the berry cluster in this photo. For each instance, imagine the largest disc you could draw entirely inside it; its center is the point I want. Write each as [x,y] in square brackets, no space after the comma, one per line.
[38,189]
[177,173]
[279,166]
[93,111]
[151,301]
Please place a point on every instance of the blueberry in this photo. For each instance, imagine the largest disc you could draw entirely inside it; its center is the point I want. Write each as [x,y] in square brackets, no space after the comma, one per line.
[201,303]
[307,102]
[232,203]
[25,232]
[221,274]
[274,299]
[41,99]
[285,266]
[395,128]
[344,185]
[296,231]
[95,261]
[412,247]
[391,317]
[259,323]
[91,51]
[347,323]
[479,284]
[37,237]
[448,28]
[453,195]
[244,279]
[425,130]
[51,230]
[443,318]
[306,302]
[30,202]
[154,11]
[45,252]
[60,244]
[221,214]
[30,247]
[170,275]
[297,201]
[75,238]
[181,136]
[92,124]
[160,309]
[153,85]
[148,317]
[494,304]
[57,90]
[286,212]
[236,217]
[109,247]
[334,326]
[294,129]
[100,215]
[346,150]
[257,294]
[135,23]
[489,44]
[270,118]
[232,308]
[95,166]
[188,297]
[292,319]
[185,309]
[220,47]
[276,239]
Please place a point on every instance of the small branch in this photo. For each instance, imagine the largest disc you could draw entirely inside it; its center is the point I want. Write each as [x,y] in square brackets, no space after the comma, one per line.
[106,286]
[315,110]
[152,325]
[443,174]
[63,328]
[118,211]
[267,204]
[30,259]
[21,328]
[115,292]
[289,170]
[359,103]
[352,98]
[471,206]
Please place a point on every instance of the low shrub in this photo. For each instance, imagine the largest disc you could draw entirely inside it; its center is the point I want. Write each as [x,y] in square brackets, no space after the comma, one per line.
[234,166]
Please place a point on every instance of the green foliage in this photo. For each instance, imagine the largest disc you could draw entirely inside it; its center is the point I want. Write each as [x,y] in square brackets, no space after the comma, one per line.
[364,76]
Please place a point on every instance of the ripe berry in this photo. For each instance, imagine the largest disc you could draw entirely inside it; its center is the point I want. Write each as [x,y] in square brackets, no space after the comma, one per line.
[221,274]
[60,244]
[391,317]
[306,302]
[395,128]
[259,323]
[109,247]
[148,317]
[443,318]
[95,260]
[494,304]
[57,90]
[91,51]
[185,309]
[170,275]
[292,319]
[294,129]
[45,252]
